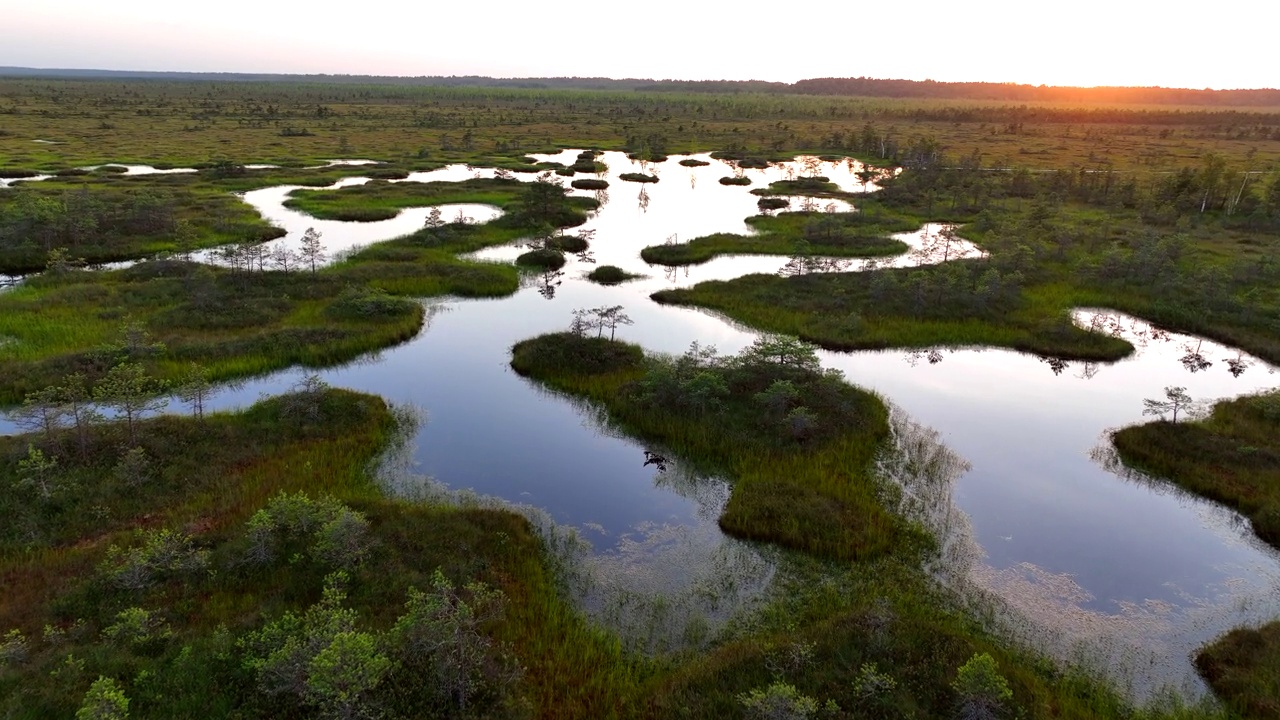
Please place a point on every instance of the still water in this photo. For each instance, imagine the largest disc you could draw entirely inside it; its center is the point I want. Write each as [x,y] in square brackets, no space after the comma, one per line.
[1086,559]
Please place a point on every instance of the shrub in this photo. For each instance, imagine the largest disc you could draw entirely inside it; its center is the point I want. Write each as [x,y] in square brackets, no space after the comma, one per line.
[137,627]
[743,180]
[369,303]
[105,700]
[325,530]
[320,659]
[779,701]
[440,637]
[694,162]
[163,554]
[772,203]
[983,692]
[638,177]
[14,649]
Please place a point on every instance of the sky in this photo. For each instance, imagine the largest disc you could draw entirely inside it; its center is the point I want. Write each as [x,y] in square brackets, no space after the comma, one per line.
[1174,43]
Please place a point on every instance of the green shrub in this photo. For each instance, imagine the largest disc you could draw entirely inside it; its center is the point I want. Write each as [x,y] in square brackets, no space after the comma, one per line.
[105,700]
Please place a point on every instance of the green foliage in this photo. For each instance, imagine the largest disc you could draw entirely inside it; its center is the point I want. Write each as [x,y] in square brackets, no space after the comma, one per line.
[162,555]
[320,658]
[137,628]
[324,529]
[14,648]
[778,701]
[439,639]
[105,700]
[983,692]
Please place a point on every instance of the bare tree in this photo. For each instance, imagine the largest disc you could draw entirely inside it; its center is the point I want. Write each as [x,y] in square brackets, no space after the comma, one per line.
[611,317]
[1176,400]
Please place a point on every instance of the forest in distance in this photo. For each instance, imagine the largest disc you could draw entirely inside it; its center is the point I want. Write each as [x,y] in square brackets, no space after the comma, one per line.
[859,86]
[169,238]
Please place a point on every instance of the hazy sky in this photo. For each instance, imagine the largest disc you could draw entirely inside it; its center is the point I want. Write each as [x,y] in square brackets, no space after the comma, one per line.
[1085,42]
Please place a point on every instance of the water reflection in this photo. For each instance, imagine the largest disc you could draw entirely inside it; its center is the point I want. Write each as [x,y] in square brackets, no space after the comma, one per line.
[1027,520]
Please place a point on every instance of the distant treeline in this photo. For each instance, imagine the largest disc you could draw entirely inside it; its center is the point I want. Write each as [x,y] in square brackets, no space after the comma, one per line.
[850,87]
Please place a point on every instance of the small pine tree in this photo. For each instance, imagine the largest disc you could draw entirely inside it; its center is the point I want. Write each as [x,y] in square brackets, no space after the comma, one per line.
[104,701]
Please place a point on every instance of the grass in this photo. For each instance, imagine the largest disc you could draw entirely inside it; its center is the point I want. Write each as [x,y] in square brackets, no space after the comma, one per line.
[731,180]
[546,258]
[590,184]
[211,476]
[101,220]
[638,177]
[812,493]
[856,597]
[610,275]
[239,323]
[797,233]
[840,312]
[1243,668]
[1232,456]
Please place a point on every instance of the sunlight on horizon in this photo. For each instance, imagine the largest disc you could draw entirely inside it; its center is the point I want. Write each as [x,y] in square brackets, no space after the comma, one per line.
[1091,43]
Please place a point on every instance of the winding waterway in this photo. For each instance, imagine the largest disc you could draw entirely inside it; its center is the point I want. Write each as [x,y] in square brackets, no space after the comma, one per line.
[1084,558]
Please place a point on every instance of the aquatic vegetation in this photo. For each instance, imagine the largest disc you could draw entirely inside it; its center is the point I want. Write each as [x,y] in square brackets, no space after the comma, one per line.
[610,275]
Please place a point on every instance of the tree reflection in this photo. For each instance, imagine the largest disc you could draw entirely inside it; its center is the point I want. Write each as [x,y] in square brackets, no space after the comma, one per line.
[549,282]
[1056,364]
[933,355]
[1195,361]
[643,198]
[1237,365]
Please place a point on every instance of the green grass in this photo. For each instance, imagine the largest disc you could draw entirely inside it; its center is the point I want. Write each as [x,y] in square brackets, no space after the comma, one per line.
[638,177]
[741,180]
[843,312]
[590,184]
[796,233]
[1243,668]
[238,323]
[211,476]
[814,494]
[610,275]
[1232,456]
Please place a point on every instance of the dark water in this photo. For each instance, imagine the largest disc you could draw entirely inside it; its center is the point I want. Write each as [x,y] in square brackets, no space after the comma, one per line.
[1087,562]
